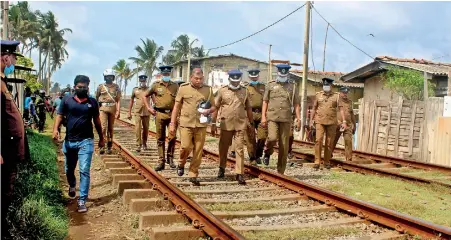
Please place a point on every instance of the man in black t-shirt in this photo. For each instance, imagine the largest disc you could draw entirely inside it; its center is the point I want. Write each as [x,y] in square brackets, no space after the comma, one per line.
[80,110]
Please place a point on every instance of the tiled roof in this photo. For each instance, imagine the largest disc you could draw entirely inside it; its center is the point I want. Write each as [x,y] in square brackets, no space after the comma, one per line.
[219,56]
[317,76]
[435,68]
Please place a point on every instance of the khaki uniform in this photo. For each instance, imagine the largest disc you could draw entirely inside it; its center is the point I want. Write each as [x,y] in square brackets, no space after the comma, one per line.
[192,132]
[291,140]
[164,100]
[326,122]
[281,97]
[234,123]
[142,116]
[347,133]
[256,93]
[107,96]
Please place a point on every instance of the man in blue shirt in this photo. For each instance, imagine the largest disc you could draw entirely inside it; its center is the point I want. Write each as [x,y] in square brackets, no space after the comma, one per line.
[81,111]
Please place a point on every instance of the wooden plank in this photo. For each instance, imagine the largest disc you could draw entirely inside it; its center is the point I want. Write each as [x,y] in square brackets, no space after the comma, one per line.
[376,130]
[412,125]
[397,126]
[366,126]
[371,130]
[360,130]
[422,137]
[387,129]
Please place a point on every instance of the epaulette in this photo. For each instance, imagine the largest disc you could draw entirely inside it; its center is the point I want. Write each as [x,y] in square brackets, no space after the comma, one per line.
[244,84]
[225,86]
[272,81]
[185,84]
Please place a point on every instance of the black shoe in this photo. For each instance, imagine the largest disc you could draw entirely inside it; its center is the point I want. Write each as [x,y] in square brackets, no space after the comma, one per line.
[290,155]
[109,151]
[159,167]
[109,146]
[232,154]
[327,166]
[144,147]
[266,160]
[316,167]
[180,170]
[102,150]
[71,192]
[258,160]
[138,149]
[240,179]
[170,161]
[194,181]
[221,172]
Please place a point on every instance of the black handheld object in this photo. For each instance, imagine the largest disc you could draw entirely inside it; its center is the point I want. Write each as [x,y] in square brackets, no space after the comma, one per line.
[206,105]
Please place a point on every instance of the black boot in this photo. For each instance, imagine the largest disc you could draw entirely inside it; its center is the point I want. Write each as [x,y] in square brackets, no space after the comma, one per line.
[240,179]
[170,161]
[138,149]
[109,145]
[159,167]
[180,170]
[266,160]
[258,160]
[221,172]
[194,181]
[232,154]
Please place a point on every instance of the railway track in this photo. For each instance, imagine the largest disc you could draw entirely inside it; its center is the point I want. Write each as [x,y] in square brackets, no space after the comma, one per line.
[225,210]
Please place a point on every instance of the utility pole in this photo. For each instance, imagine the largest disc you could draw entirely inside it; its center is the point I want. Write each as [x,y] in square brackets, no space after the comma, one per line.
[48,64]
[270,65]
[305,72]
[5,6]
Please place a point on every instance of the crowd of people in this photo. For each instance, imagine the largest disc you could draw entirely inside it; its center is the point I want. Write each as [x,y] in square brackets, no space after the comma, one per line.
[248,113]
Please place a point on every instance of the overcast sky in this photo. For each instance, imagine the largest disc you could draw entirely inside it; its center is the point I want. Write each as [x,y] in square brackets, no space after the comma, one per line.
[104,32]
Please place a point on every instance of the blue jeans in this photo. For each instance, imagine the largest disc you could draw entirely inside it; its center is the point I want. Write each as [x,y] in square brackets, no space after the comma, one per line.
[79,151]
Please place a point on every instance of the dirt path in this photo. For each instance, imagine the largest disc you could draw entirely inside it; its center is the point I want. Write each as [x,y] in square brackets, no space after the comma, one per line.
[107,217]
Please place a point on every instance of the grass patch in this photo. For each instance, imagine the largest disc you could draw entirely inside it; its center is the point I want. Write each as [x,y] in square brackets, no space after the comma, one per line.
[241,206]
[426,201]
[38,210]
[309,233]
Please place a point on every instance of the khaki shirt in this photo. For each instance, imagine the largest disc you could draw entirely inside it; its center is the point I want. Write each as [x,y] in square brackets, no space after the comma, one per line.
[102,95]
[256,93]
[189,98]
[139,106]
[233,105]
[281,97]
[164,96]
[346,104]
[327,108]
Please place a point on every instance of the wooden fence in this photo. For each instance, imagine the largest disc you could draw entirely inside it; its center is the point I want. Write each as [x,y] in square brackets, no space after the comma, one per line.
[406,129]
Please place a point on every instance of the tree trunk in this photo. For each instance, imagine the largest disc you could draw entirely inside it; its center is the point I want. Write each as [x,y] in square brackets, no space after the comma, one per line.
[39,66]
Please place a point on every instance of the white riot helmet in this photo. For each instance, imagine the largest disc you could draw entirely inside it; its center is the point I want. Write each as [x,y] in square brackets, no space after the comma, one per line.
[109,75]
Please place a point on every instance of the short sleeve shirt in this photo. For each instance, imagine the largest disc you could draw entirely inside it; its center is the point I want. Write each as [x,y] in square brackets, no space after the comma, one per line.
[190,97]
[233,105]
[281,97]
[164,96]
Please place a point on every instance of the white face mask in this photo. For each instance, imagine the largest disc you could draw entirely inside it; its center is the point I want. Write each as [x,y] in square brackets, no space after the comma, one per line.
[326,88]
[234,87]
[142,84]
[282,79]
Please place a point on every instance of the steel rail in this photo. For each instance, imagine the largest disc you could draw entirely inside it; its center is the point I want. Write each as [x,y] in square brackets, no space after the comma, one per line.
[390,159]
[401,222]
[201,218]
[370,170]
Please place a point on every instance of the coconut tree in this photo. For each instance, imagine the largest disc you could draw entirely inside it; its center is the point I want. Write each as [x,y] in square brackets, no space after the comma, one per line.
[181,47]
[199,52]
[147,57]
[119,68]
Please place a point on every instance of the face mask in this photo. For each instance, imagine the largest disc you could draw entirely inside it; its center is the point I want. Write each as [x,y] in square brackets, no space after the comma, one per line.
[326,88]
[81,93]
[143,84]
[166,78]
[234,87]
[253,82]
[282,79]
[9,70]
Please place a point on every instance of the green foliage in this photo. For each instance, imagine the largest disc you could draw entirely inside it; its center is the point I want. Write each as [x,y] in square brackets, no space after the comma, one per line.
[38,211]
[30,77]
[407,83]
[25,61]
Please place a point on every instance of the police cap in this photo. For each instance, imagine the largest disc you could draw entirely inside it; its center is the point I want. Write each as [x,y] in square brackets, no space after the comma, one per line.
[10,47]
[165,69]
[235,75]
[327,81]
[253,72]
[283,69]
[142,77]
[344,89]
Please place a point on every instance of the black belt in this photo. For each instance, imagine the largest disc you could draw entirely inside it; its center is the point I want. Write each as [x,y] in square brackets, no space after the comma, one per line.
[257,110]
[163,110]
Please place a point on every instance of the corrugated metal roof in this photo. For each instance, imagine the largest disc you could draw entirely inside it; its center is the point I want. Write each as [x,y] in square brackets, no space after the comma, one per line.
[435,68]
[317,76]
[219,56]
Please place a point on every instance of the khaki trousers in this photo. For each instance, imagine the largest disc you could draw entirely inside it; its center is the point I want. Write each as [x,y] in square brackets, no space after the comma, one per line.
[347,136]
[192,138]
[107,121]
[281,131]
[330,131]
[141,129]
[225,139]
[162,121]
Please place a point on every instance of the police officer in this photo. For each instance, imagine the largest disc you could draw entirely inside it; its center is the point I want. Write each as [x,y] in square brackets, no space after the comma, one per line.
[14,143]
[324,113]
[108,95]
[346,104]
[41,109]
[163,94]
[141,114]
[280,99]
[256,91]
[233,101]
[291,139]
[194,101]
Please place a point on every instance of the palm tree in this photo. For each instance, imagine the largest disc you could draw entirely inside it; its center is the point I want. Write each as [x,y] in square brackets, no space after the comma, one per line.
[119,68]
[170,57]
[181,47]
[147,57]
[199,52]
[23,25]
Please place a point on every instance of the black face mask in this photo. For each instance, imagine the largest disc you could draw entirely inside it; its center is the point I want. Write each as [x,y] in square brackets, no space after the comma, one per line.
[81,93]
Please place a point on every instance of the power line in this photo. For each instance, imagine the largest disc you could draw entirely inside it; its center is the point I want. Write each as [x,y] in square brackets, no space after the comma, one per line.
[446,55]
[330,25]
[253,34]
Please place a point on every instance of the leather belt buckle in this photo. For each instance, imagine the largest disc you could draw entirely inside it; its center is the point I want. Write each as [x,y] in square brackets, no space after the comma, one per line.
[167,111]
